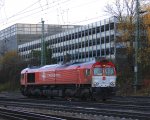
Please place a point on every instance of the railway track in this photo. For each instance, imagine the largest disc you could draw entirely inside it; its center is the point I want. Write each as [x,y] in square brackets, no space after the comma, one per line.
[12,114]
[122,109]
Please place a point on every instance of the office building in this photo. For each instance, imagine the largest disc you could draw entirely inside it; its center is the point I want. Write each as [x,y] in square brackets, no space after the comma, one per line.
[19,33]
[82,43]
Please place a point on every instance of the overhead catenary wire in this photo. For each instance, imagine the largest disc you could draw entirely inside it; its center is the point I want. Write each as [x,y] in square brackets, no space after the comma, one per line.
[30,11]
[27,10]
[22,11]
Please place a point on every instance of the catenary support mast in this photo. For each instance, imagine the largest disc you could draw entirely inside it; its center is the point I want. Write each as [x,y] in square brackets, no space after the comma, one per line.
[43,59]
[137,41]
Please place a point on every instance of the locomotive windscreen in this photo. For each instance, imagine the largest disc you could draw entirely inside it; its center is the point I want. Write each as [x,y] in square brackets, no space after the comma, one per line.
[109,71]
[31,77]
[98,71]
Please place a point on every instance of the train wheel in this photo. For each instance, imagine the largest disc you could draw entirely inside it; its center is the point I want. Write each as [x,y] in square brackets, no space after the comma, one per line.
[84,98]
[104,99]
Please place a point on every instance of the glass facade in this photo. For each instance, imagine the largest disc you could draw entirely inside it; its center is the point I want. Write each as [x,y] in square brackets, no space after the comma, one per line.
[83,43]
[19,34]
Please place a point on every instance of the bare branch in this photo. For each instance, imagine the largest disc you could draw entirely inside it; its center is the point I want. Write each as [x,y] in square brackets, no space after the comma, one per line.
[121,9]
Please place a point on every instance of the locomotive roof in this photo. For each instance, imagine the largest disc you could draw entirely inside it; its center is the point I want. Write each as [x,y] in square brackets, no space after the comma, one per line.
[50,66]
[63,66]
[76,65]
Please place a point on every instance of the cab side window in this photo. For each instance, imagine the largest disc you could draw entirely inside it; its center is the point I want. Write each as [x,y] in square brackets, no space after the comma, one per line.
[87,72]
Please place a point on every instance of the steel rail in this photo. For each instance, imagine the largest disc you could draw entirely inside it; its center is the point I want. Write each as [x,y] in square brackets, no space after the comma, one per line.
[109,110]
[24,115]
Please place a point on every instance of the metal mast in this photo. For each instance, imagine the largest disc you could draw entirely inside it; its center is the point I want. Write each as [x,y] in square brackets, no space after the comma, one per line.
[43,59]
[137,41]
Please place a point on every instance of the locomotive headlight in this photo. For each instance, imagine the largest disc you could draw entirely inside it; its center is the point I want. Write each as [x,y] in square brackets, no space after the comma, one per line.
[112,84]
[96,84]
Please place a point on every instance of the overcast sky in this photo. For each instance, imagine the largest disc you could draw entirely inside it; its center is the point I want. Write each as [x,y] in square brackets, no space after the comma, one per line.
[52,11]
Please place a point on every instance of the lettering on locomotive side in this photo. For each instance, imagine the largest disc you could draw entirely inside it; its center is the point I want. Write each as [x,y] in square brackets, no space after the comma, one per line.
[54,75]
[49,75]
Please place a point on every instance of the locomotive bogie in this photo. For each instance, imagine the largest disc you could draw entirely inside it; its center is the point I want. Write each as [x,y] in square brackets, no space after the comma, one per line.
[57,91]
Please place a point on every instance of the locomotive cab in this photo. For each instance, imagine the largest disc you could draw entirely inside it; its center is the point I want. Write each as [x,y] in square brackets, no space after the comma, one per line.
[103,79]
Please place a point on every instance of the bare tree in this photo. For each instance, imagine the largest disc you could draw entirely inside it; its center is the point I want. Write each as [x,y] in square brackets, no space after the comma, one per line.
[121,9]
[125,11]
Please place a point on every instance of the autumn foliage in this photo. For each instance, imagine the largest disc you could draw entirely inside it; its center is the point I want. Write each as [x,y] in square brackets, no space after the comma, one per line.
[11,65]
[125,12]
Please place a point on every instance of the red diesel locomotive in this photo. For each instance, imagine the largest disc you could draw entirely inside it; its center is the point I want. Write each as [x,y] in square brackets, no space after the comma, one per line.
[83,80]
